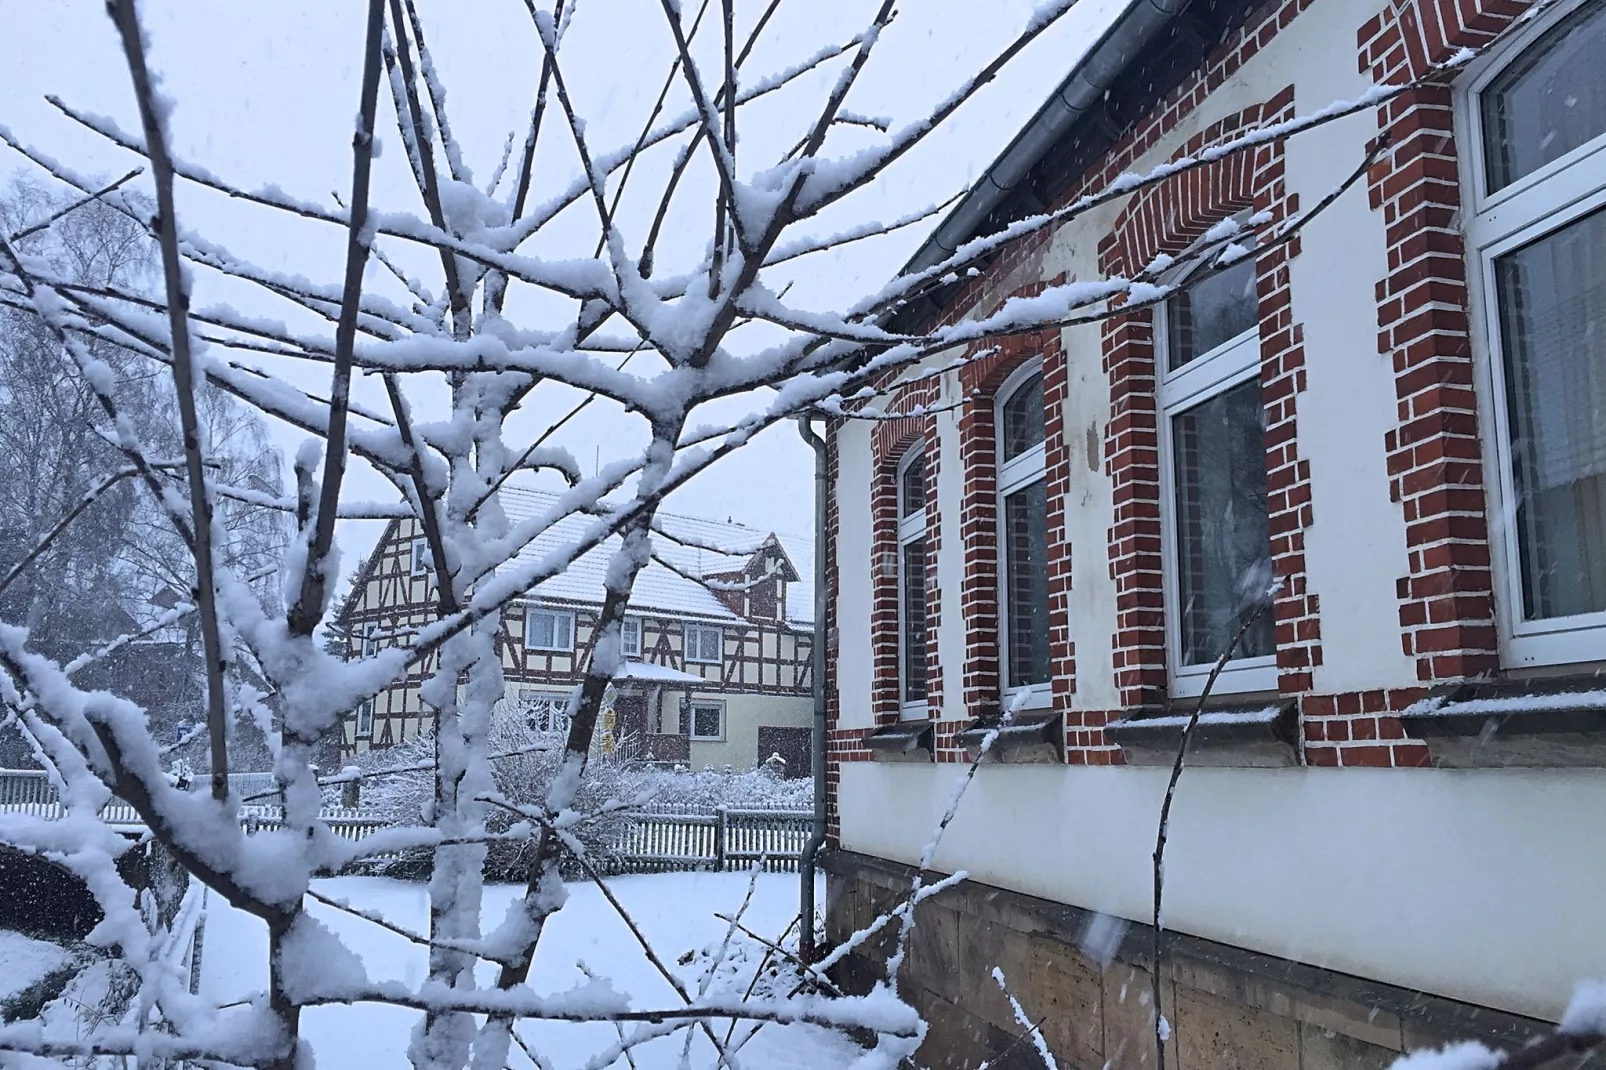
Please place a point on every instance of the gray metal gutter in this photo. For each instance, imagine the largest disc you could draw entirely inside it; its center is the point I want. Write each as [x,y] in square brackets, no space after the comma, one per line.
[1079,96]
[811,850]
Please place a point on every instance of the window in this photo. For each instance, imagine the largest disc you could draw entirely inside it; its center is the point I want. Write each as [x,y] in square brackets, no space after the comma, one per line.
[1213,483]
[545,712]
[630,637]
[365,720]
[912,586]
[701,719]
[370,640]
[549,629]
[1537,238]
[704,644]
[1023,531]
[421,562]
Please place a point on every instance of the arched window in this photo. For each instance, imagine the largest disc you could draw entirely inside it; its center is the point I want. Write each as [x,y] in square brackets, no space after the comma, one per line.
[1535,179]
[1023,534]
[1213,481]
[912,586]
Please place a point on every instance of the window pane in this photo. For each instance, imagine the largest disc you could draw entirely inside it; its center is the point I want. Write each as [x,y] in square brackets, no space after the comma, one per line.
[914,620]
[539,627]
[705,721]
[1553,330]
[1216,309]
[1023,418]
[912,493]
[1026,583]
[1549,102]
[1223,547]
[562,625]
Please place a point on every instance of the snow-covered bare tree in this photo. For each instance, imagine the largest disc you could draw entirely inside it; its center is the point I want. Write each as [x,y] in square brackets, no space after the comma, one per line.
[514,306]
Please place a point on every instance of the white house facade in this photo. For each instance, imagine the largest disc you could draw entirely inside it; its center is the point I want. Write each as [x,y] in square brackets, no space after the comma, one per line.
[1392,827]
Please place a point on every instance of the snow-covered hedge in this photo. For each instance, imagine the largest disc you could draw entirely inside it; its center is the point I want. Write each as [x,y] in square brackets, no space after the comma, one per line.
[524,773]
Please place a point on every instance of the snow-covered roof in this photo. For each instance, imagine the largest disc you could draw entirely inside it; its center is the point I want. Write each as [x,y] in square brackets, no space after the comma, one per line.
[647,672]
[710,548]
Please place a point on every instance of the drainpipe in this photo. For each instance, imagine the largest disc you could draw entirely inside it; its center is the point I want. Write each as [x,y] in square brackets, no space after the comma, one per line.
[811,850]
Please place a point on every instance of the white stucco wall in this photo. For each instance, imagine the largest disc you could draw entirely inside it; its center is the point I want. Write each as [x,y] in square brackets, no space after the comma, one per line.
[852,609]
[1481,885]
[744,715]
[1478,885]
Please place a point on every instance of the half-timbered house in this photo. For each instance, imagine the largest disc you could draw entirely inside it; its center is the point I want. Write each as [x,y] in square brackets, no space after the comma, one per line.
[718,640]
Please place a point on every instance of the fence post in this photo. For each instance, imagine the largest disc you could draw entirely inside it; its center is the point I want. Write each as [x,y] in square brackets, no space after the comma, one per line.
[719,840]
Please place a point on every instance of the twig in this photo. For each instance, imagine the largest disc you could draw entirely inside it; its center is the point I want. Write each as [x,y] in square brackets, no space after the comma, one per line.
[75,205]
[1162,1028]
[308,608]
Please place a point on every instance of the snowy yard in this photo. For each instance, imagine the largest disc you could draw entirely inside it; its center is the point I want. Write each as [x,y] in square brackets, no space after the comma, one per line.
[674,910]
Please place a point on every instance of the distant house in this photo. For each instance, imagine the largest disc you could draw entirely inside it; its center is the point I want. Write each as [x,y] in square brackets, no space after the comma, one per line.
[1390,832]
[718,641]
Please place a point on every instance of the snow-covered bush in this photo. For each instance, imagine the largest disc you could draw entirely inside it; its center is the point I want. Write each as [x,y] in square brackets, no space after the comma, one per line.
[399,785]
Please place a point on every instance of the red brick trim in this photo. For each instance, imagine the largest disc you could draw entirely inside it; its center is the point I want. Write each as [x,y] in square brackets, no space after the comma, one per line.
[1166,219]
[890,442]
[1435,455]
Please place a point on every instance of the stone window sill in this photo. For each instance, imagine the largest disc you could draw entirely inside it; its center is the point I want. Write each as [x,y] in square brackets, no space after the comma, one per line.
[1513,724]
[1261,735]
[906,741]
[1031,737]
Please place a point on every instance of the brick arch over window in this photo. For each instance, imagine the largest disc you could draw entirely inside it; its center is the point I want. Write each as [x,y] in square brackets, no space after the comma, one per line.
[890,442]
[1435,458]
[1167,219]
[978,513]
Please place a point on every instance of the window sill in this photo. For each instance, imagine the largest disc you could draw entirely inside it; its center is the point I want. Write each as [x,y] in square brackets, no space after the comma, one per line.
[1031,737]
[1243,736]
[1534,723]
[906,741]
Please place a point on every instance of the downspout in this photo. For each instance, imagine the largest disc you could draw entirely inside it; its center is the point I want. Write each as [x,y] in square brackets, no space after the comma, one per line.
[811,850]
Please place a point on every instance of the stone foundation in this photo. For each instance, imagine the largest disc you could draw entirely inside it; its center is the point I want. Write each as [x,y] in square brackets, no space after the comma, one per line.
[1229,1009]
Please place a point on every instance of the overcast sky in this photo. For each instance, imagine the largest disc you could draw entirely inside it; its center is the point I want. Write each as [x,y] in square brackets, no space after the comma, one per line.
[265,91]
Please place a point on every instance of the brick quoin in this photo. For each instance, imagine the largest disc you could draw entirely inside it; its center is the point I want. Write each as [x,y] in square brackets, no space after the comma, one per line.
[1435,462]
[1446,600]
[1165,219]
[890,442]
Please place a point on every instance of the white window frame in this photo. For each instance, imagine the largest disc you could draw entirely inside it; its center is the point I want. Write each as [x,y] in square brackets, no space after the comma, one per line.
[910,529]
[625,629]
[420,565]
[365,719]
[558,701]
[1013,475]
[686,633]
[691,719]
[1550,198]
[529,644]
[1230,364]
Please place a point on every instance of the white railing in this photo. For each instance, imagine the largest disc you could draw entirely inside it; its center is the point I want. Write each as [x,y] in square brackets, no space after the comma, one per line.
[655,840]
[723,840]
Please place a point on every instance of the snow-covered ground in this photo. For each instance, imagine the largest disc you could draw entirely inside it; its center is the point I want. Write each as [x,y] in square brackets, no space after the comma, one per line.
[675,911]
[24,961]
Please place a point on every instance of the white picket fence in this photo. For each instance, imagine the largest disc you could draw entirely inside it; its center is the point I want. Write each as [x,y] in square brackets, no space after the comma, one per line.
[652,841]
[658,840]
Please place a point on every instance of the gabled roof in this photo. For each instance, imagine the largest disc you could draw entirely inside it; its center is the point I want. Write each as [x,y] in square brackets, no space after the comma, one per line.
[695,546]
[1145,49]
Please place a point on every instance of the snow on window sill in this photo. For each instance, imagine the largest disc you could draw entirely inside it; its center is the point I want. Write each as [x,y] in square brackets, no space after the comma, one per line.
[1031,737]
[907,741]
[1513,723]
[1255,735]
